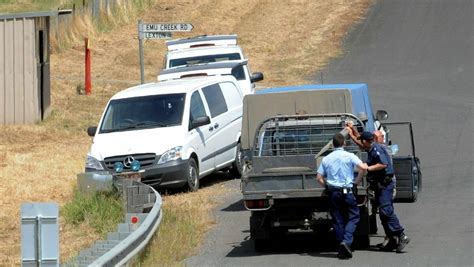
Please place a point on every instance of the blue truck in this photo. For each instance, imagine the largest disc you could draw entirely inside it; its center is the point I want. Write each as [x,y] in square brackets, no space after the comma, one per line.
[286,132]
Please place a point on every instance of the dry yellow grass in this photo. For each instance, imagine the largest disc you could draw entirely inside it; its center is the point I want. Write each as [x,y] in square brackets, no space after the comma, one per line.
[287,40]
[190,214]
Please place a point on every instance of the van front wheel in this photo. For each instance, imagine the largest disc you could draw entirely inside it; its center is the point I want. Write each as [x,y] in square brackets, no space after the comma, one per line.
[192,175]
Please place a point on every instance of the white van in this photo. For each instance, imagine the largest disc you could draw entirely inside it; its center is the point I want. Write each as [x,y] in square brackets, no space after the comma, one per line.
[202,49]
[202,41]
[174,132]
[236,68]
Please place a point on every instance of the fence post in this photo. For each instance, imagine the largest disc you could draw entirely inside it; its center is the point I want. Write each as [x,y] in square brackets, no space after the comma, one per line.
[88,83]
[95,9]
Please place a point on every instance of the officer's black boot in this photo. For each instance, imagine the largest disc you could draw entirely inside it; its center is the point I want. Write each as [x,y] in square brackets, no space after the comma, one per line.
[389,244]
[344,251]
[384,243]
[403,240]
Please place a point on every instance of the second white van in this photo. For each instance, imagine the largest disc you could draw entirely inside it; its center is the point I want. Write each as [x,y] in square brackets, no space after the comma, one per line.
[173,132]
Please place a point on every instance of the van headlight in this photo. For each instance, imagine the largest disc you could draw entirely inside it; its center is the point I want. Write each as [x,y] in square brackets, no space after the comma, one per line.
[93,163]
[172,154]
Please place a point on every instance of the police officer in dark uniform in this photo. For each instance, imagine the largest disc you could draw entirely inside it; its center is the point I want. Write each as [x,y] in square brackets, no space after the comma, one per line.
[380,175]
[336,173]
[379,137]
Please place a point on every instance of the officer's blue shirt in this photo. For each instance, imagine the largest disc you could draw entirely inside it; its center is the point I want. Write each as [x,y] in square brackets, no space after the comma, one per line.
[379,154]
[338,168]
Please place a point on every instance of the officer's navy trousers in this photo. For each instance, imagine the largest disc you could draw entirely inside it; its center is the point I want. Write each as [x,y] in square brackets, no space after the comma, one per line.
[345,215]
[390,222]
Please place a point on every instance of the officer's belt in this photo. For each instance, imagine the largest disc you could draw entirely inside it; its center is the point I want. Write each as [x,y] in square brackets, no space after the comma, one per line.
[378,177]
[339,189]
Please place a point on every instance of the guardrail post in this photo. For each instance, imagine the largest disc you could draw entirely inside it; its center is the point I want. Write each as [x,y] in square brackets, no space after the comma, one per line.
[39,234]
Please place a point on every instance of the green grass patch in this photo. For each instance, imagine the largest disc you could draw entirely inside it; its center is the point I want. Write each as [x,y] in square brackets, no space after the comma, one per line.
[101,210]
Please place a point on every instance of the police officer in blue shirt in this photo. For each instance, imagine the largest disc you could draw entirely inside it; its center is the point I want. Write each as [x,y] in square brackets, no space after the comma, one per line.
[336,173]
[381,173]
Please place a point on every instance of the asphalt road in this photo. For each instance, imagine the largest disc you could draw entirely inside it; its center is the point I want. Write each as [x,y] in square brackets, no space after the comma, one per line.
[417,58]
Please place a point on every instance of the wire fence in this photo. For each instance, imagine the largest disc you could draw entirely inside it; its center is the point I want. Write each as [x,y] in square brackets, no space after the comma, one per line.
[98,10]
[300,134]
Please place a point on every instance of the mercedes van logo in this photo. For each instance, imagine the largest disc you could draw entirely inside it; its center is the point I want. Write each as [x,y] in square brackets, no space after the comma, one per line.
[128,161]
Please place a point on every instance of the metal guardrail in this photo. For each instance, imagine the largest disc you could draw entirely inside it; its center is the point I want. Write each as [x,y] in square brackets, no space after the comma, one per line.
[128,248]
[143,217]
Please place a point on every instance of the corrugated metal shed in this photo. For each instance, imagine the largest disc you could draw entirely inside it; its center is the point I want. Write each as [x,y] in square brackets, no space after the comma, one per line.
[25,94]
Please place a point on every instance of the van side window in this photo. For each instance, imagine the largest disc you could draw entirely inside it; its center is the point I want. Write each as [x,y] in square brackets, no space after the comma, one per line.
[232,95]
[215,99]
[238,73]
[197,107]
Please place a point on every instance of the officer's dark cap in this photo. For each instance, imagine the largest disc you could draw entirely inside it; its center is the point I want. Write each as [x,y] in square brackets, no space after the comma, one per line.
[368,136]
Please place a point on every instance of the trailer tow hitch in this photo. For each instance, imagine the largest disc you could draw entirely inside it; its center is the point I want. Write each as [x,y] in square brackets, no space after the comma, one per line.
[306,224]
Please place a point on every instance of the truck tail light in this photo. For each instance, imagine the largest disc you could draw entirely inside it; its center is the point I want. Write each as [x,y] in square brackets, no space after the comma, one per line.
[257,204]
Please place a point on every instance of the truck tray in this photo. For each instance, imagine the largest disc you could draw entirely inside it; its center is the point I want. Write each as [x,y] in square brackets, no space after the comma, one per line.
[282,185]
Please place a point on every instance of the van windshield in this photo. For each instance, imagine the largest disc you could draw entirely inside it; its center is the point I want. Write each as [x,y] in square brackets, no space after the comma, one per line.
[203,59]
[143,113]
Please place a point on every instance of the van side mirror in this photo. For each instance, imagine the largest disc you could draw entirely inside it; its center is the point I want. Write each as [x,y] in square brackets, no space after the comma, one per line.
[256,77]
[381,115]
[91,131]
[200,121]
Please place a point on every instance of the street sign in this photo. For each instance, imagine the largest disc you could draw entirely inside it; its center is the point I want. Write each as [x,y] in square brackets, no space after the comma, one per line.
[156,35]
[167,27]
[157,31]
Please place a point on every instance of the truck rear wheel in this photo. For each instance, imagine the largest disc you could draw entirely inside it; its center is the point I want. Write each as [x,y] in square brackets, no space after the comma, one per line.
[262,245]
[361,237]
[362,241]
[260,231]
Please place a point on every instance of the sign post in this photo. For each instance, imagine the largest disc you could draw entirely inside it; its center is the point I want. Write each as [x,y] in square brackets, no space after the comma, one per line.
[157,31]
[140,51]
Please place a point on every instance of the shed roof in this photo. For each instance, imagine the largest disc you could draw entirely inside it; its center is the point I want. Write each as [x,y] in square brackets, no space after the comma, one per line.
[35,14]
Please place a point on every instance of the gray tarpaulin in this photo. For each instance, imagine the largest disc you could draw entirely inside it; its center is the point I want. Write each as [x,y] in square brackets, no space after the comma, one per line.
[259,107]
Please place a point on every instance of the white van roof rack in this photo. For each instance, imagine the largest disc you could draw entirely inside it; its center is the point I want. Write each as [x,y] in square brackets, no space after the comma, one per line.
[202,41]
[205,69]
